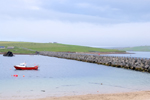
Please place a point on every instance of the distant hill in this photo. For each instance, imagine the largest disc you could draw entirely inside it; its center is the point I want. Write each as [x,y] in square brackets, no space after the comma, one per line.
[138,48]
[27,47]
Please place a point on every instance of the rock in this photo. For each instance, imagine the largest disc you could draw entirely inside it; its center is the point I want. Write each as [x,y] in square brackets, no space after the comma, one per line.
[124,62]
[148,62]
[146,67]
[9,54]
[37,53]
[43,90]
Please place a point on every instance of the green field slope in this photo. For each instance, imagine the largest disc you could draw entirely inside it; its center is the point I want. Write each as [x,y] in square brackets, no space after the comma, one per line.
[138,48]
[25,47]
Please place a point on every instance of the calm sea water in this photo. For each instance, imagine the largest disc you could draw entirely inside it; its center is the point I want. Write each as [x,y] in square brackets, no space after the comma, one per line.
[60,77]
[136,54]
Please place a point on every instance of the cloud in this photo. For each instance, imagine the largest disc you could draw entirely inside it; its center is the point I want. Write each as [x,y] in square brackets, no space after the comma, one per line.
[32,4]
[127,34]
[83,22]
[95,7]
[69,10]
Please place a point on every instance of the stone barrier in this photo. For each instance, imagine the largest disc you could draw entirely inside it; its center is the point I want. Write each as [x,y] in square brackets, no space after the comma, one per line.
[139,64]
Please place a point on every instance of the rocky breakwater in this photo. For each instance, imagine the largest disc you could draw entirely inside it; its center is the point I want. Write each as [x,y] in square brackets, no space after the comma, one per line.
[138,64]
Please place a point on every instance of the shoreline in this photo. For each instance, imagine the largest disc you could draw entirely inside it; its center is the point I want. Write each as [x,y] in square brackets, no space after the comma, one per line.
[139,95]
[94,53]
[99,53]
[19,54]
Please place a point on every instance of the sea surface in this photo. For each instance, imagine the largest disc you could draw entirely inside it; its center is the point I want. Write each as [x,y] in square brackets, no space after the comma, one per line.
[135,54]
[63,77]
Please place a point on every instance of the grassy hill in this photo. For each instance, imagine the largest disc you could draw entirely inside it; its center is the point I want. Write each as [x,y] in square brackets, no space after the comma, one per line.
[138,48]
[26,47]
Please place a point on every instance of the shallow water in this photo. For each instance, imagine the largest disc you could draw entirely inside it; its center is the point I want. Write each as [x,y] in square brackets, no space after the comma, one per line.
[60,77]
[136,54]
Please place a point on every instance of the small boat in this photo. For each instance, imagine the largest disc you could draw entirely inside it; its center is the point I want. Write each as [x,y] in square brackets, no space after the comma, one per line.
[23,66]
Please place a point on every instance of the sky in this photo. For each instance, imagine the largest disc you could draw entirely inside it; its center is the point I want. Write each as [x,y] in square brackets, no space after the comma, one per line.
[111,23]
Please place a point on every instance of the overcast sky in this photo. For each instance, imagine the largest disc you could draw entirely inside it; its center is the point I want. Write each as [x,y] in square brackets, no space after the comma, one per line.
[78,22]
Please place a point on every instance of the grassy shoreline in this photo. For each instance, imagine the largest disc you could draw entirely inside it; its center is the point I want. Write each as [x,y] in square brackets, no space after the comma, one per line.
[31,48]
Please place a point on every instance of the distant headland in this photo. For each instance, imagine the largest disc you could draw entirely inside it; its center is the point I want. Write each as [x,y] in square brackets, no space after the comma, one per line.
[32,48]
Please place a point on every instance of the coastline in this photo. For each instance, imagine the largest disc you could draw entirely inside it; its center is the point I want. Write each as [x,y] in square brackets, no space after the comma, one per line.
[19,54]
[142,95]
[94,53]
[139,95]
[99,53]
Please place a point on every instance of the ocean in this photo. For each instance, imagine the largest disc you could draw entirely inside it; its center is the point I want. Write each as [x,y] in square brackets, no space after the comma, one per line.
[64,77]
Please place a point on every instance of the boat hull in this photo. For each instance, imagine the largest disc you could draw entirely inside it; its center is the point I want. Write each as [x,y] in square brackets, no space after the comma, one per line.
[26,68]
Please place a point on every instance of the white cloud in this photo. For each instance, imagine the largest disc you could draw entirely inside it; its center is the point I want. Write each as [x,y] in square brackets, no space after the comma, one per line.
[96,22]
[31,4]
[35,8]
[18,5]
[95,7]
[81,11]
[128,34]
[30,1]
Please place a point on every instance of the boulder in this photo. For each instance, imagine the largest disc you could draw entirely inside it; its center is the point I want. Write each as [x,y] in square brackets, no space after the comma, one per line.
[9,54]
[37,52]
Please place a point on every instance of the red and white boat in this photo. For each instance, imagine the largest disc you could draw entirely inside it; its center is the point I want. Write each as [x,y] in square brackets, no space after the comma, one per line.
[23,66]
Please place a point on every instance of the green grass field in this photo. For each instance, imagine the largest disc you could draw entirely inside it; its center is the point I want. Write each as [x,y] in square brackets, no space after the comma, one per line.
[54,47]
[138,48]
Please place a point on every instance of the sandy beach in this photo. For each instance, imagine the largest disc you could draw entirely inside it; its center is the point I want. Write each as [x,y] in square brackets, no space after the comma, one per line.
[141,95]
